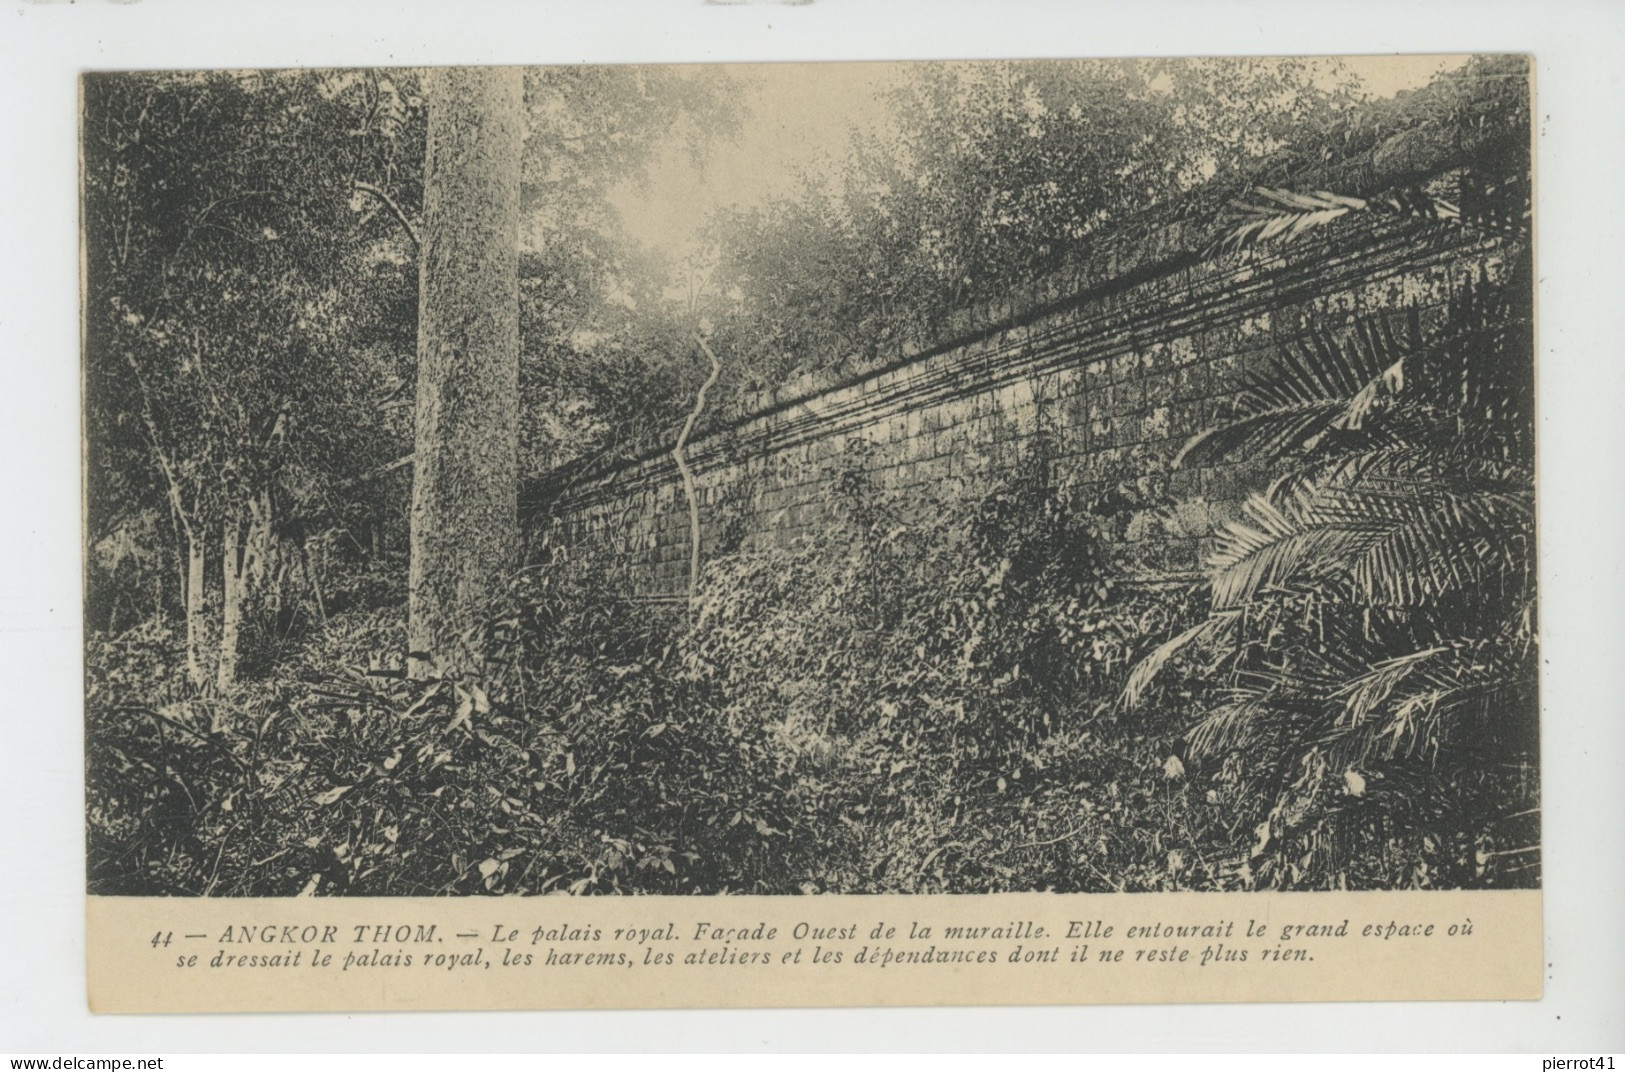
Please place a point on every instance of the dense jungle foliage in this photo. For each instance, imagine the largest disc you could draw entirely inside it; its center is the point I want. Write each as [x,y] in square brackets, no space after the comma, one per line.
[935,718]
[944,690]
[926,699]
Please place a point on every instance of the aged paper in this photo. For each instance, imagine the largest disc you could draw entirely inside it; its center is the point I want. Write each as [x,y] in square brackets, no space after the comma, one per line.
[1235,777]
[161,955]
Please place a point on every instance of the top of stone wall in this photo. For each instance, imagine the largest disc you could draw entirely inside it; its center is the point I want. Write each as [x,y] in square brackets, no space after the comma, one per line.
[1432,133]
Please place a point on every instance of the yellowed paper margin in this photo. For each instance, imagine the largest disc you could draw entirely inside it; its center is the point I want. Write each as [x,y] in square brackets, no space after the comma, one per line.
[171,955]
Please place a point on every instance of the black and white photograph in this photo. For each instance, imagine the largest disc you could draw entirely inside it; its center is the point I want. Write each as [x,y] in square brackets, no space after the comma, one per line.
[1073,476]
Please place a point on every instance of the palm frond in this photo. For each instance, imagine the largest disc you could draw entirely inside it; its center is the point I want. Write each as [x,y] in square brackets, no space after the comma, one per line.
[1414,202]
[1384,652]
[1225,728]
[1367,398]
[1241,724]
[1424,543]
[1413,704]
[1269,546]
[1215,629]
[1376,540]
[1271,433]
[1286,214]
[1479,367]
[1363,695]
[1282,213]
[1318,387]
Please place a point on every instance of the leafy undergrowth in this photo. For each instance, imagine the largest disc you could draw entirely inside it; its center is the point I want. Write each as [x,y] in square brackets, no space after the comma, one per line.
[898,707]
[628,777]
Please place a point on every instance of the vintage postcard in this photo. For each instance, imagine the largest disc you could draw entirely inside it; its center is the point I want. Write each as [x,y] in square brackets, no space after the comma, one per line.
[811,534]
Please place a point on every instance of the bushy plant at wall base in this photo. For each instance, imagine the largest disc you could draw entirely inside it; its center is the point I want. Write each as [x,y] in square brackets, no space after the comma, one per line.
[930,667]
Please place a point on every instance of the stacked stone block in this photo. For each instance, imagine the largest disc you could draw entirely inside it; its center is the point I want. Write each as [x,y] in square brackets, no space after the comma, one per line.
[1123,358]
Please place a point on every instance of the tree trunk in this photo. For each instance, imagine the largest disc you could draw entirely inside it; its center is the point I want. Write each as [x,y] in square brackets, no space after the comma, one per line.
[196,609]
[465,487]
[264,568]
[313,580]
[232,562]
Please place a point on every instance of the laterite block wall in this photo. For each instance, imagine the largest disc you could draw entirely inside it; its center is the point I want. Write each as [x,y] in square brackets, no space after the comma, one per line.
[1123,356]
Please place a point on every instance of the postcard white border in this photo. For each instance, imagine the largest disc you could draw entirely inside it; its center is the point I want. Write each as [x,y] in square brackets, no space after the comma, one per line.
[1578,78]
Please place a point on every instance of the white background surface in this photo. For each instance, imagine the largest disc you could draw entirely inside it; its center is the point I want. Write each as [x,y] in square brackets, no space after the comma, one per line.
[1582,172]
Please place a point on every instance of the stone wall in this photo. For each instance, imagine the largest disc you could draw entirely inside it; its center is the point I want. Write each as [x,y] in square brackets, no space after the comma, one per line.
[1121,358]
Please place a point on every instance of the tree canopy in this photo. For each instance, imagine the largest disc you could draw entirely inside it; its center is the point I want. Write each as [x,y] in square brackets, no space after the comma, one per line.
[996,173]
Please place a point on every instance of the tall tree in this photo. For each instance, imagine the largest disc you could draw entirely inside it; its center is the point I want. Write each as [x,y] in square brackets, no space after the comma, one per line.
[465,505]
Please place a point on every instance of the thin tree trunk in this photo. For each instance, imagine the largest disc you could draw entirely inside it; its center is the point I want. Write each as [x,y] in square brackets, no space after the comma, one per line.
[465,487]
[196,608]
[264,563]
[314,581]
[233,559]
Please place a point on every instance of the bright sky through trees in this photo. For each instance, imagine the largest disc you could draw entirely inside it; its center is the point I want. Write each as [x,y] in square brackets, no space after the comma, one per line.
[799,118]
